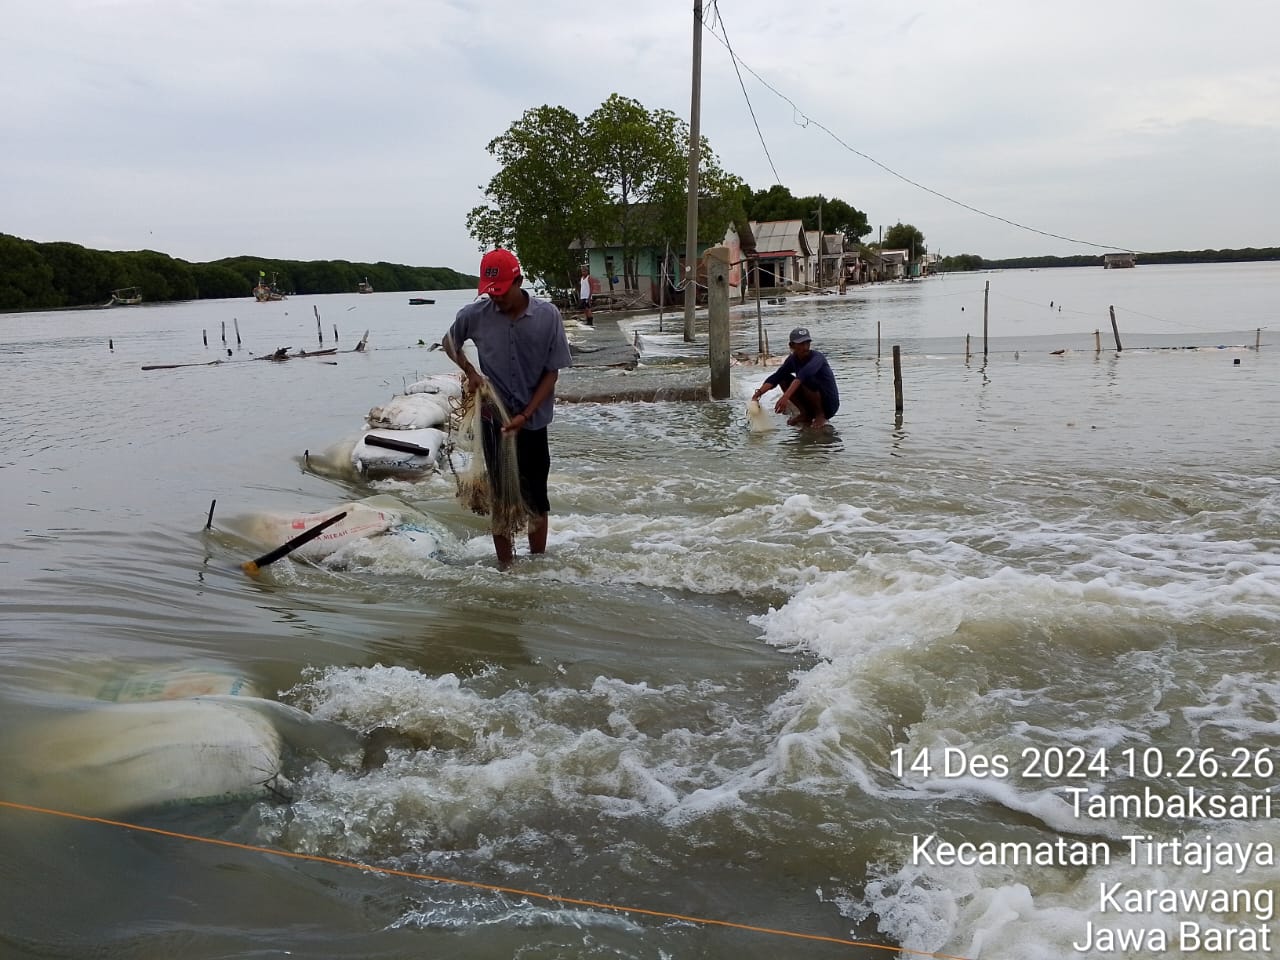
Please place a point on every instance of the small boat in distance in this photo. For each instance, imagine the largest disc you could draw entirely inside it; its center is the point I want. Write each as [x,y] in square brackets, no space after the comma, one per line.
[420,300]
[264,291]
[364,286]
[125,297]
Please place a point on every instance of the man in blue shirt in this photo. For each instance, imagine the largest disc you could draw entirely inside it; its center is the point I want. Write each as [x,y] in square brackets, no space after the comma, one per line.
[522,348]
[807,383]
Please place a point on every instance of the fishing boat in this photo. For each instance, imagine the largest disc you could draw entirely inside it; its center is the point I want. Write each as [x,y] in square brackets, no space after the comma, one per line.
[125,297]
[364,286]
[420,300]
[264,291]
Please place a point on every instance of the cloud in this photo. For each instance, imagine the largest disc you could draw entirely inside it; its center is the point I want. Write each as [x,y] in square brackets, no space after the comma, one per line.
[358,131]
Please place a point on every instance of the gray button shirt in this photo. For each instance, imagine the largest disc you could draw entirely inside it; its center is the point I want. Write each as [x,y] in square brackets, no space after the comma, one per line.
[514,354]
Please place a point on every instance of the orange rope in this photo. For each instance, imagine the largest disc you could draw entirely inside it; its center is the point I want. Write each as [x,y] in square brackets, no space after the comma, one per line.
[489,887]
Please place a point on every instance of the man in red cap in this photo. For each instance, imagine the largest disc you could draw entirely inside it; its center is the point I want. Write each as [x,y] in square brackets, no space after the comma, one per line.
[522,349]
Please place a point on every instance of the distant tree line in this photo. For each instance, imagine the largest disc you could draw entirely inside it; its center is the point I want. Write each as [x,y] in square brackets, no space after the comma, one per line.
[969,261]
[41,276]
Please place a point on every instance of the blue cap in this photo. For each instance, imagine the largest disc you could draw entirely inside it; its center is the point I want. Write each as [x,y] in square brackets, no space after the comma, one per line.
[800,335]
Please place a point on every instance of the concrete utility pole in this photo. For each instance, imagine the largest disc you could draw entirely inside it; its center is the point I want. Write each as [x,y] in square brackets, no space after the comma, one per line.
[691,218]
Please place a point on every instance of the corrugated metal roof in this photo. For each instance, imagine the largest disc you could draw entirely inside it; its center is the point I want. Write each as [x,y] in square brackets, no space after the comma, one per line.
[778,237]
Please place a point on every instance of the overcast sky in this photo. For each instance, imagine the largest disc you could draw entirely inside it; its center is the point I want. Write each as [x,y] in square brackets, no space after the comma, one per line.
[356,129]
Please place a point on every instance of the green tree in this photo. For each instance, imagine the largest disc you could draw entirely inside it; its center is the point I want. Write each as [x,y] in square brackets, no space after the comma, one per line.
[544,196]
[617,178]
[721,195]
[82,276]
[841,217]
[961,261]
[838,216]
[26,281]
[216,282]
[903,236]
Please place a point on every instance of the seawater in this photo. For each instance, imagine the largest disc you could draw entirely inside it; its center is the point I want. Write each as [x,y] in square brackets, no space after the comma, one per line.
[706,699]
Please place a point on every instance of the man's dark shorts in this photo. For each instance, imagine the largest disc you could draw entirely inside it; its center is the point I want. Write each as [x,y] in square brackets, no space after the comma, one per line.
[533,456]
[829,404]
[584,304]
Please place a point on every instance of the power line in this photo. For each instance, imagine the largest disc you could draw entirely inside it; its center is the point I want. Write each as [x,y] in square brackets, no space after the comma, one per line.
[805,120]
[715,9]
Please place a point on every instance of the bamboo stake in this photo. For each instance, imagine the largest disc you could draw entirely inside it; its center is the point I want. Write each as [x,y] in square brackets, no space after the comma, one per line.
[986,296]
[897,379]
[1115,330]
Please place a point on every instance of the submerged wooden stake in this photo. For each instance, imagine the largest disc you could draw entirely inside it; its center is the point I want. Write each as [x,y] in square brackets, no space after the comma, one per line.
[897,378]
[1115,330]
[209,523]
[986,296]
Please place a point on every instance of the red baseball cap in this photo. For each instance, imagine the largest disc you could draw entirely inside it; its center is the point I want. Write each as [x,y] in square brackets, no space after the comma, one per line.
[498,270]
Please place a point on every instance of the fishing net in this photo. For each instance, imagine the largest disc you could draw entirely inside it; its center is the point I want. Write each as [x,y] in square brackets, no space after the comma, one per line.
[489,484]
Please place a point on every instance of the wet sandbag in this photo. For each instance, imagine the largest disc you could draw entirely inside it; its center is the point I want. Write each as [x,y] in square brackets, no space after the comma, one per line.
[132,685]
[118,757]
[403,455]
[361,521]
[441,384]
[412,411]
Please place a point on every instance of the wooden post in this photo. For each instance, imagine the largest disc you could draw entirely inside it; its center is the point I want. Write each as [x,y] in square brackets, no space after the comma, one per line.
[986,296]
[111,344]
[224,333]
[319,332]
[1097,341]
[897,379]
[236,321]
[335,334]
[717,261]
[662,289]
[966,348]
[1257,340]
[877,339]
[764,341]
[205,336]
[1115,330]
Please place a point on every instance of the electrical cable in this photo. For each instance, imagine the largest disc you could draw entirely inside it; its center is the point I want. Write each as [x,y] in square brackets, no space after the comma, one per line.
[807,120]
